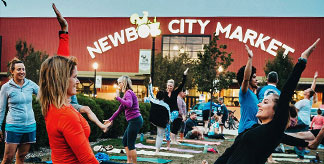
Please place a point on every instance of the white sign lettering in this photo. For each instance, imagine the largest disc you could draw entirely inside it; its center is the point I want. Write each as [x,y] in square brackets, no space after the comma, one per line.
[227,29]
[175,29]
[102,45]
[144,28]
[252,36]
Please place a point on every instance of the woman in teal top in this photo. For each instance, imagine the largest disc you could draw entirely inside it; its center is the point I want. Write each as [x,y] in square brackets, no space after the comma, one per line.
[20,126]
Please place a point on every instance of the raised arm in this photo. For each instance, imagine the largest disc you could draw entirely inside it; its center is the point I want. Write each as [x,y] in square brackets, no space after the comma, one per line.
[63,23]
[185,73]
[314,81]
[63,48]
[150,88]
[281,116]
[247,71]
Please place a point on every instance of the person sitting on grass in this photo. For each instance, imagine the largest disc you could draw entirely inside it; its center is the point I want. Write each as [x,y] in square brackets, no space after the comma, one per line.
[214,129]
[191,129]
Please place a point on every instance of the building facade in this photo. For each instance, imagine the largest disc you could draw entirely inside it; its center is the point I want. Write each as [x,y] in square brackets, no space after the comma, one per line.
[121,46]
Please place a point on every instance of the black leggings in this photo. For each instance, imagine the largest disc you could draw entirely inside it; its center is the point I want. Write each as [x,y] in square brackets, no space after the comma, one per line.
[175,125]
[134,125]
[216,136]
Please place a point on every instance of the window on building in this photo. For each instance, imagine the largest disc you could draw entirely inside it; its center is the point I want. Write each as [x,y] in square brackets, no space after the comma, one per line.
[173,45]
[231,97]
[140,91]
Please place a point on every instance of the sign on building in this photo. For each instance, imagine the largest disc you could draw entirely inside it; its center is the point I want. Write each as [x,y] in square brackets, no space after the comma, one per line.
[144,62]
[98,81]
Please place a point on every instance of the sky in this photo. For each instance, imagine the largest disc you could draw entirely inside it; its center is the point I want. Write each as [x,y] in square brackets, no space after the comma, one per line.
[164,8]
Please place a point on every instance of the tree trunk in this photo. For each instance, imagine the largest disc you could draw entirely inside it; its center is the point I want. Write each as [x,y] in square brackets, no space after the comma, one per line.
[211,103]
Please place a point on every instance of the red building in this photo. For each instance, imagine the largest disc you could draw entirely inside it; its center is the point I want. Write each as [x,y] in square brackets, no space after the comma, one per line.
[116,45]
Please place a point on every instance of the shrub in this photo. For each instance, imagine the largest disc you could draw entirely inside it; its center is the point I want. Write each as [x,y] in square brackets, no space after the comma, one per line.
[41,133]
[96,132]
[145,111]
[102,108]
[119,124]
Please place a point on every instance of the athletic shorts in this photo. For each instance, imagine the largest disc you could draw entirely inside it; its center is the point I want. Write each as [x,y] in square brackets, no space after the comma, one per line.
[205,114]
[315,133]
[20,138]
[224,120]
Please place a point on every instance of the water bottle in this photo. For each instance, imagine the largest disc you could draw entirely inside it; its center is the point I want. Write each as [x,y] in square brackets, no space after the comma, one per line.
[205,148]
[317,157]
[142,137]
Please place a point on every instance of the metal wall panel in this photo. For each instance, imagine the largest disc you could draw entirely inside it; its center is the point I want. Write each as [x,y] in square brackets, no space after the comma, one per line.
[42,33]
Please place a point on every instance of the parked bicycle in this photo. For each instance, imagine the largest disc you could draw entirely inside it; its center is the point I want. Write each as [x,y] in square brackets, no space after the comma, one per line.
[232,122]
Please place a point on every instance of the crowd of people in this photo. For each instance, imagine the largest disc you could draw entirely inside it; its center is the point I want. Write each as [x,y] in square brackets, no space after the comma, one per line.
[267,117]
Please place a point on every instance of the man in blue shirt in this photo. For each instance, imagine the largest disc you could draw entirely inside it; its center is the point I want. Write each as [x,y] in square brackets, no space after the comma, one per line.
[207,113]
[191,129]
[271,87]
[246,77]
[223,112]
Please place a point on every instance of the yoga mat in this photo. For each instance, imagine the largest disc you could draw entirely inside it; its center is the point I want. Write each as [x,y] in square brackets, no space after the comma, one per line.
[190,145]
[140,159]
[139,145]
[199,142]
[292,160]
[291,155]
[214,140]
[144,152]
[320,146]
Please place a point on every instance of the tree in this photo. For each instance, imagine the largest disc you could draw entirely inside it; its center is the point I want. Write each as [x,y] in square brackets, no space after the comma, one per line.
[207,74]
[172,68]
[282,65]
[32,59]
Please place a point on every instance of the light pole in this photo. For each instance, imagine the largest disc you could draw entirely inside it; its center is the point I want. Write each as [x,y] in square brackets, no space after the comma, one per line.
[95,67]
[154,33]
[152,58]
[219,70]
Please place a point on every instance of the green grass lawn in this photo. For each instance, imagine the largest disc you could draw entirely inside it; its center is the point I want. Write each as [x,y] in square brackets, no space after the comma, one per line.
[210,157]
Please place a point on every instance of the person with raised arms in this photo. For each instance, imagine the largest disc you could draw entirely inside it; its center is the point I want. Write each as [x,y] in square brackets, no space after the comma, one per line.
[159,116]
[63,50]
[170,97]
[255,144]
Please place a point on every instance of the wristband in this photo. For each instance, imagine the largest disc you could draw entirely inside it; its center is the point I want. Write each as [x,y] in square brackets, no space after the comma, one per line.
[63,32]
[302,59]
